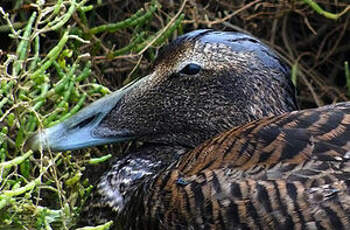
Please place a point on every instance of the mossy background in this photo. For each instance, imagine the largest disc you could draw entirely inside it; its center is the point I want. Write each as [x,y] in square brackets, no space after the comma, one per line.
[57,56]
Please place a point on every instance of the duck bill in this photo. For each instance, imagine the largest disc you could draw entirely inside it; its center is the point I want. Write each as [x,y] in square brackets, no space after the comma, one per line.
[78,131]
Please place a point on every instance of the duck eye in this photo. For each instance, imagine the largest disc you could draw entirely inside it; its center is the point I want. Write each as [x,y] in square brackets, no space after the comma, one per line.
[191,69]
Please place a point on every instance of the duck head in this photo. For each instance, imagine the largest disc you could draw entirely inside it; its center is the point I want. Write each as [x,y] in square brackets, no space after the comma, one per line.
[201,84]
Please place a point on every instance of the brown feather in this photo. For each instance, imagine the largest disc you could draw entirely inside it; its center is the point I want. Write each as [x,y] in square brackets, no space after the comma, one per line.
[283,172]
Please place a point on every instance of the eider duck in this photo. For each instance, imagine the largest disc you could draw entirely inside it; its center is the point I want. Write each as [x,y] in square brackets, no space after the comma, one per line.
[223,149]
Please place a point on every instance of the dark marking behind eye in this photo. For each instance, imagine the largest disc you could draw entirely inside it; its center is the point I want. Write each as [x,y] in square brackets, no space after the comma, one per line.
[191,69]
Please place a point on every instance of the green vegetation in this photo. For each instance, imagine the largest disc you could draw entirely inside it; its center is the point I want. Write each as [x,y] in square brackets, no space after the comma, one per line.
[326,14]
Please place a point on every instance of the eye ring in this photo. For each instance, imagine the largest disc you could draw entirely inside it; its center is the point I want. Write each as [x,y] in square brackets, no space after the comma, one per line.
[191,69]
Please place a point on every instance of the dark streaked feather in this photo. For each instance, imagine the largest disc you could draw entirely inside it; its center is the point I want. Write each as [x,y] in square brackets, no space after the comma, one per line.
[284,172]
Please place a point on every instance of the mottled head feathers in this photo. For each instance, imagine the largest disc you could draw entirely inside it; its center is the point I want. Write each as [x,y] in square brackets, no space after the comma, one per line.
[238,79]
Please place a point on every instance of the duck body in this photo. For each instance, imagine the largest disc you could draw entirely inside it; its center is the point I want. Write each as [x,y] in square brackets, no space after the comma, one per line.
[284,172]
[223,149]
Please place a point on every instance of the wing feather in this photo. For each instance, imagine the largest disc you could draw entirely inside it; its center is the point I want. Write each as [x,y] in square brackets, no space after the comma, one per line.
[285,172]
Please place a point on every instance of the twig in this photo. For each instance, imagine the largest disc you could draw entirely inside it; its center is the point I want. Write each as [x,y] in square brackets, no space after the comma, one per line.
[221,20]
[164,29]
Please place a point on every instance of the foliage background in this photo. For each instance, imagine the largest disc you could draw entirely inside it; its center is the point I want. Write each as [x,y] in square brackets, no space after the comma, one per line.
[56,56]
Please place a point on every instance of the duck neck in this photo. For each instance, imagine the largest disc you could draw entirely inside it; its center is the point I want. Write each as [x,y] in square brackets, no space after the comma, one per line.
[117,188]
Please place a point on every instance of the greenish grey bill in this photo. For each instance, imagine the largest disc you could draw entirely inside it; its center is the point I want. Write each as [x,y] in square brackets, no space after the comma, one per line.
[70,135]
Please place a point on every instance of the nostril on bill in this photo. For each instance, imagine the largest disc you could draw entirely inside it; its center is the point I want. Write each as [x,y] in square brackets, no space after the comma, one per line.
[85,122]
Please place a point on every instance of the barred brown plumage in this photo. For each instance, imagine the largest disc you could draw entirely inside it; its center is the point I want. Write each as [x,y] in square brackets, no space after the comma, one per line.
[223,149]
[284,172]
[252,177]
